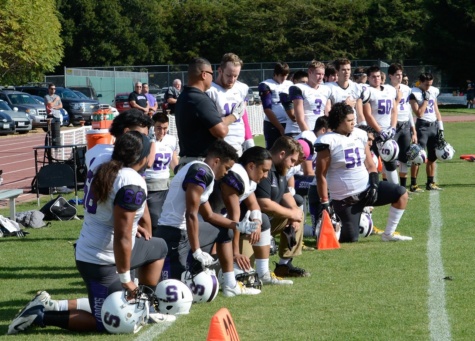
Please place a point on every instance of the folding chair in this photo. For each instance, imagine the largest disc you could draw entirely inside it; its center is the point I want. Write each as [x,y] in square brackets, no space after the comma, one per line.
[55,175]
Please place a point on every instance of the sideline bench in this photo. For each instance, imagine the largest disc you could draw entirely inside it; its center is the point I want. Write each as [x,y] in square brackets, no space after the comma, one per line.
[11,194]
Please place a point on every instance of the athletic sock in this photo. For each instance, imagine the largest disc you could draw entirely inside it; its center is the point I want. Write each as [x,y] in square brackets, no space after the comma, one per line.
[403,182]
[262,266]
[62,305]
[413,181]
[284,261]
[229,279]
[430,179]
[83,304]
[395,215]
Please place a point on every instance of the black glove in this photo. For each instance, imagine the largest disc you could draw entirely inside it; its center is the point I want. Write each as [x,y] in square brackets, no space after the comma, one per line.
[425,95]
[372,192]
[324,206]
[440,135]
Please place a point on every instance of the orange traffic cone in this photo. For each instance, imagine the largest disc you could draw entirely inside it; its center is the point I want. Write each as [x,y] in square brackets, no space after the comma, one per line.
[222,327]
[327,239]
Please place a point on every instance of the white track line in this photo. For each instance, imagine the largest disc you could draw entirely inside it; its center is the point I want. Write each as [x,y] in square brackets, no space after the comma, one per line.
[153,331]
[439,326]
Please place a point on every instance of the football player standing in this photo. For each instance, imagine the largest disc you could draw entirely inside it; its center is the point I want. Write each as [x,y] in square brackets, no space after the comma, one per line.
[429,127]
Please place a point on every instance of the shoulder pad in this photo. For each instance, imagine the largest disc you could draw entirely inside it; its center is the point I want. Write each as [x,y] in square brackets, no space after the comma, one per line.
[234,180]
[130,197]
[198,174]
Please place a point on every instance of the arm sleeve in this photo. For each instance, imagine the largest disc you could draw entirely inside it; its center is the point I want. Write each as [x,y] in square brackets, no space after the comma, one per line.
[266,96]
[235,181]
[247,127]
[295,93]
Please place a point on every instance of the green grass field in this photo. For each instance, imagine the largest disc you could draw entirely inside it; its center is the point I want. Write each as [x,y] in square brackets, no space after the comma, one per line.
[364,291]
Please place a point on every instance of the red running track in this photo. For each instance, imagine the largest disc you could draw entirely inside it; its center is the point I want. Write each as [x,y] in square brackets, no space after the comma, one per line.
[17,160]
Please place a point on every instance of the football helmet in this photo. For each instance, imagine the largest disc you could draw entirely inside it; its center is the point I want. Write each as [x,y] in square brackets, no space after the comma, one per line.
[444,151]
[416,154]
[389,150]
[121,316]
[336,222]
[366,225]
[174,297]
[248,278]
[204,285]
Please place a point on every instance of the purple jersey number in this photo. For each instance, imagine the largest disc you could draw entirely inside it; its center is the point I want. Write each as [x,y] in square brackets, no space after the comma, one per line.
[352,158]
[318,106]
[385,106]
[162,160]
[430,107]
[228,107]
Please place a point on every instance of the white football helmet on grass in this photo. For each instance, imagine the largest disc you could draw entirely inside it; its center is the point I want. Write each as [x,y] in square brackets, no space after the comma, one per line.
[174,297]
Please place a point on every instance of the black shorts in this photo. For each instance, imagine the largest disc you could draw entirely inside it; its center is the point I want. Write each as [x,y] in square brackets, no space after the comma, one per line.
[427,137]
[179,257]
[271,133]
[101,280]
[403,139]
[350,215]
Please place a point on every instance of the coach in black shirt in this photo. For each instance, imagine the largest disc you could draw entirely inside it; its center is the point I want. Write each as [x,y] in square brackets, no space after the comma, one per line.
[278,205]
[138,100]
[198,121]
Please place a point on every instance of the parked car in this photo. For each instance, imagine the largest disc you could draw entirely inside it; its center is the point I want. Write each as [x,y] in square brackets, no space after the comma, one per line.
[7,125]
[79,109]
[22,119]
[121,101]
[88,91]
[250,97]
[66,122]
[255,92]
[24,102]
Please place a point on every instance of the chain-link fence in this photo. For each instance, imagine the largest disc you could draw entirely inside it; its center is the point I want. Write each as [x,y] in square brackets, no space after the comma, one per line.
[108,81]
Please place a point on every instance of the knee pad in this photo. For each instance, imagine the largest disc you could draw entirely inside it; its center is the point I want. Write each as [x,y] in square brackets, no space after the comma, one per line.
[265,238]
[402,167]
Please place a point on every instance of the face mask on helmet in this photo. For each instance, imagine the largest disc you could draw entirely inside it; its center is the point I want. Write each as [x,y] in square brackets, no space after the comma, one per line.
[120,316]
[204,286]
[389,150]
[248,278]
[174,297]
[444,151]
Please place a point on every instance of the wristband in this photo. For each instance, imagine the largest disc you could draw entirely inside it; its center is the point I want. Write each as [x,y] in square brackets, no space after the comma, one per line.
[323,200]
[440,124]
[257,215]
[292,190]
[125,277]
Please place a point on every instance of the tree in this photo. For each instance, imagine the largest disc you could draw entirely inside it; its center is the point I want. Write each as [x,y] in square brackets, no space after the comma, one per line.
[449,38]
[30,41]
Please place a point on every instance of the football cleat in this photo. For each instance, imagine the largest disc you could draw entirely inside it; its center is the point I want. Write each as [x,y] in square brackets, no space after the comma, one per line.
[31,314]
[44,298]
[271,278]
[433,187]
[239,289]
[416,189]
[394,237]
[289,270]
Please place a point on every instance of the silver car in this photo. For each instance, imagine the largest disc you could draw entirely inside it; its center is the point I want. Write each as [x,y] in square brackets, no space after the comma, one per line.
[21,119]
[24,102]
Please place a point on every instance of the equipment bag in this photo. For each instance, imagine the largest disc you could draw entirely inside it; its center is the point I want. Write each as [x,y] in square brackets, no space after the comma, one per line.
[58,209]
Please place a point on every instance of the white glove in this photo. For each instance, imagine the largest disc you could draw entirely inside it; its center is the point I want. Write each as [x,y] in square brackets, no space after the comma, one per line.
[238,110]
[246,226]
[247,144]
[203,257]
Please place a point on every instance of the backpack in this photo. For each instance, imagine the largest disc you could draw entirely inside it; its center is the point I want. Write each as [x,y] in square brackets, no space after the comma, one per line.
[58,209]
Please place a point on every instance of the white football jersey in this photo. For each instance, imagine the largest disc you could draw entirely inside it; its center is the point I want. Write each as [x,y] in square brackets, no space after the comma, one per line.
[225,100]
[160,169]
[382,103]
[174,208]
[347,174]
[275,89]
[404,111]
[429,114]
[354,90]
[314,103]
[101,153]
[95,243]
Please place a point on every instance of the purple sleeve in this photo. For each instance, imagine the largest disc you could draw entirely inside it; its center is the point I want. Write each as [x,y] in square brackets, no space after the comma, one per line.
[130,197]
[233,180]
[266,95]
[295,93]
[198,174]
